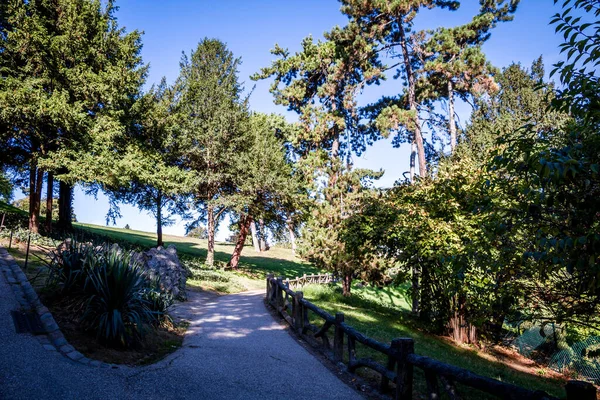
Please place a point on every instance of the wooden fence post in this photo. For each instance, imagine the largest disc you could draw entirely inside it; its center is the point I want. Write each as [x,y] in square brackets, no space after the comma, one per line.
[278,294]
[270,288]
[404,378]
[338,338]
[580,390]
[297,312]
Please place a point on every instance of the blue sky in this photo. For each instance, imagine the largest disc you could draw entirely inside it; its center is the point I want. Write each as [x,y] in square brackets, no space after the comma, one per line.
[251,28]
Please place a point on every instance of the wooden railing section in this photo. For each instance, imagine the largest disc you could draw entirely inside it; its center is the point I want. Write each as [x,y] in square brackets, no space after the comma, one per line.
[335,338]
[314,279]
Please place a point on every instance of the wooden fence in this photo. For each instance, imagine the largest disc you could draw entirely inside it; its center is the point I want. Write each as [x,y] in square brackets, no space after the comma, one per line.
[335,338]
[318,279]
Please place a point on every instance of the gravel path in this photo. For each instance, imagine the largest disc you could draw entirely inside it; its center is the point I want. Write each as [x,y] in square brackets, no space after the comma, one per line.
[234,350]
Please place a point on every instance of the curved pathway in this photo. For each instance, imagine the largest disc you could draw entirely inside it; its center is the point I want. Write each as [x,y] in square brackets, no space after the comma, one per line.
[234,350]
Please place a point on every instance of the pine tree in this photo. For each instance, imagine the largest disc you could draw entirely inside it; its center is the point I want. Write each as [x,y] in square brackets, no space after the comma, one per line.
[321,83]
[454,62]
[69,76]
[266,188]
[214,119]
[156,179]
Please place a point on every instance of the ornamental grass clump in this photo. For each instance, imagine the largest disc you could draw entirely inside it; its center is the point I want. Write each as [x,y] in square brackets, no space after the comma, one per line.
[117,310]
[117,301]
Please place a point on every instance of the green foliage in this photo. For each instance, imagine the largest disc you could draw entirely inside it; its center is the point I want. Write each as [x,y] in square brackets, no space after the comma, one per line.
[6,188]
[553,176]
[198,232]
[116,308]
[214,119]
[70,74]
[117,299]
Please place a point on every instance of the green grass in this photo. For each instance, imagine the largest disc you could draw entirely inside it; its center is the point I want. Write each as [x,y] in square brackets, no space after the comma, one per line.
[4,207]
[278,261]
[366,312]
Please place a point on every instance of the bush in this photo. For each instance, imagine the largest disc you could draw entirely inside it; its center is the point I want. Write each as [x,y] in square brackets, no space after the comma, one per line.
[118,299]
[117,309]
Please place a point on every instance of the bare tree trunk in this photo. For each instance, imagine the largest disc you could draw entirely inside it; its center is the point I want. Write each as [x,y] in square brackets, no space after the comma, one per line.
[210,255]
[413,155]
[36,177]
[412,103]
[244,225]
[255,241]
[461,331]
[264,244]
[347,285]
[49,199]
[290,228]
[451,116]
[65,200]
[159,233]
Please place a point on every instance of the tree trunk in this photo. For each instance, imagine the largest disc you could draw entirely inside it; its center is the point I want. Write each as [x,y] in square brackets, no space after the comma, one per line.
[244,225]
[210,255]
[290,228]
[65,200]
[413,155]
[49,199]
[36,177]
[346,285]
[416,289]
[461,331]
[412,103]
[255,241]
[159,234]
[264,244]
[451,116]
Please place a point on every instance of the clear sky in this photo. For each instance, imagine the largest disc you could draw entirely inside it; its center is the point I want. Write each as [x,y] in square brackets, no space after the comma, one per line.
[251,28]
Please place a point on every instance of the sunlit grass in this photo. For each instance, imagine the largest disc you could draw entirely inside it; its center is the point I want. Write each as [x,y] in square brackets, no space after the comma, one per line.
[278,261]
[366,312]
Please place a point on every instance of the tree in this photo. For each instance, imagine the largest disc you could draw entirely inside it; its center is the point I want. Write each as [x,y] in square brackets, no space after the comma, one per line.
[213,125]
[265,183]
[454,63]
[553,174]
[198,232]
[6,189]
[156,180]
[386,26]
[69,76]
[320,83]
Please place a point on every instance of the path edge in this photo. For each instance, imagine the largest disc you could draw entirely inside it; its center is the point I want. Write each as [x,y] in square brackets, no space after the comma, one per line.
[53,339]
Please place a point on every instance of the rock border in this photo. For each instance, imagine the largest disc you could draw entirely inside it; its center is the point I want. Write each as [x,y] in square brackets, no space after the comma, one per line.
[53,340]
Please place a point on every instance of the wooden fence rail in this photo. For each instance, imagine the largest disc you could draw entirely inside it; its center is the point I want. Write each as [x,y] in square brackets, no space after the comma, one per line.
[400,355]
[315,279]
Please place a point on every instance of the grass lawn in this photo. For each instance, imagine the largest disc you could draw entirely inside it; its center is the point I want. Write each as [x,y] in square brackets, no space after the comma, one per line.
[383,316]
[279,261]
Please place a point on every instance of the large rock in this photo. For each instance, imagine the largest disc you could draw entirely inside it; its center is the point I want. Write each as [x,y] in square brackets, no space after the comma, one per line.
[164,264]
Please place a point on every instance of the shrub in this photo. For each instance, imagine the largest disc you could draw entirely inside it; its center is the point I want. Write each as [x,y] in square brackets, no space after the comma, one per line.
[70,264]
[117,308]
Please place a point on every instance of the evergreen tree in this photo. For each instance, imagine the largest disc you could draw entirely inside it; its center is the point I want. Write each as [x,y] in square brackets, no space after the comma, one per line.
[321,83]
[69,76]
[454,62]
[265,186]
[155,175]
[214,119]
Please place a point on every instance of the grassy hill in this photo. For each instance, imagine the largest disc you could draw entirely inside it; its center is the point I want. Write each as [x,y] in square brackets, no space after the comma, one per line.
[279,261]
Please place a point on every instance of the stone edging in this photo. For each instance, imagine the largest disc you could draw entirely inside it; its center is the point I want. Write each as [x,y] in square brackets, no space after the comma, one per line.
[54,340]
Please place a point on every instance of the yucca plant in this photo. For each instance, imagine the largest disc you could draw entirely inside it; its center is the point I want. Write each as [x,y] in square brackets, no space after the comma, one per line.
[69,266]
[117,309]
